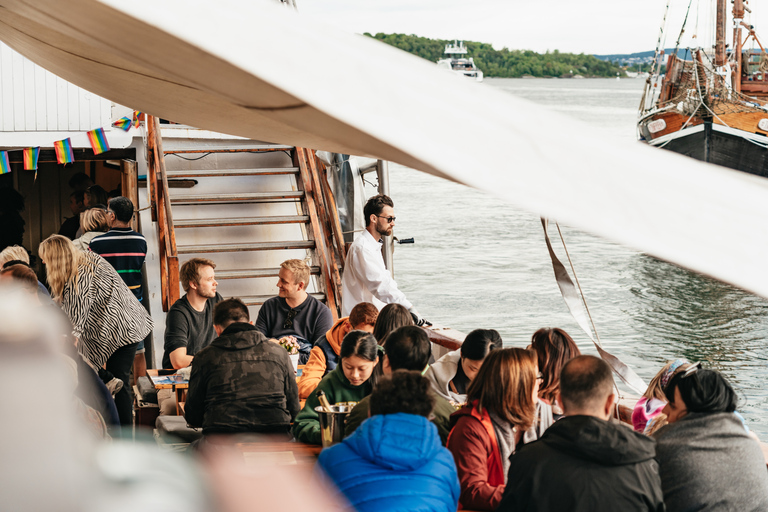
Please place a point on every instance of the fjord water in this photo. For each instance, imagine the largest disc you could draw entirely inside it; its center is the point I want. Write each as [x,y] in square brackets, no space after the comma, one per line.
[480,263]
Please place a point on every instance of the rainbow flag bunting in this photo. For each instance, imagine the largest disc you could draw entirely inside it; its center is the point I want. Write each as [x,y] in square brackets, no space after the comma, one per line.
[124,123]
[136,118]
[30,158]
[5,164]
[64,153]
[98,141]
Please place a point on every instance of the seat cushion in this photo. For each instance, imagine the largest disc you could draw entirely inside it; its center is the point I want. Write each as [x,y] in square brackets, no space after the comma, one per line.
[177,426]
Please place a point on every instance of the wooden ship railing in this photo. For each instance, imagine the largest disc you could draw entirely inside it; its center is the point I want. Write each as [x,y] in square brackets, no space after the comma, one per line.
[160,203]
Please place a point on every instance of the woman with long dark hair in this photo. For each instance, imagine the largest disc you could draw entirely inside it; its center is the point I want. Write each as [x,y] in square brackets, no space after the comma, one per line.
[349,382]
[502,413]
[707,459]
[554,347]
[391,317]
[452,374]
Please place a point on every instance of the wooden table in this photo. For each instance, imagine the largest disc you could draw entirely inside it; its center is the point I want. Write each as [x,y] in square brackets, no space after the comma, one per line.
[173,381]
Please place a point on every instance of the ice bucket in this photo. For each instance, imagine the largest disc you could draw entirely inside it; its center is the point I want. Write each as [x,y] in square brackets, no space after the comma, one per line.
[332,423]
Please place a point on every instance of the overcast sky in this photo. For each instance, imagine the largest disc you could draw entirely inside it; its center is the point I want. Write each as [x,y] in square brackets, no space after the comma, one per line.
[578,26]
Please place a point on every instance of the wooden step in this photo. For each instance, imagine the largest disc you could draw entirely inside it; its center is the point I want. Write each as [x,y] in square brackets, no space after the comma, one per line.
[257,246]
[243,221]
[215,173]
[256,273]
[250,197]
[223,147]
[258,300]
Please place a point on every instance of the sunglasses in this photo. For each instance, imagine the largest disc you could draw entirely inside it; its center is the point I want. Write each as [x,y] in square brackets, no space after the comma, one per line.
[288,324]
[389,219]
[691,370]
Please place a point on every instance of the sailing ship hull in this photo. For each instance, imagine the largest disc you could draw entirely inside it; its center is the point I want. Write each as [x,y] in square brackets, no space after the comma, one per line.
[720,145]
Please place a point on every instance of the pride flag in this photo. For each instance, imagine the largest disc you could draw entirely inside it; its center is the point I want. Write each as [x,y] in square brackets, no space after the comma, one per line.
[136,118]
[124,123]
[5,164]
[98,141]
[30,158]
[64,153]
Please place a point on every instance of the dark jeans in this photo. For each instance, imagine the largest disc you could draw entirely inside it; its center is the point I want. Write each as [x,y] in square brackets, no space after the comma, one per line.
[120,364]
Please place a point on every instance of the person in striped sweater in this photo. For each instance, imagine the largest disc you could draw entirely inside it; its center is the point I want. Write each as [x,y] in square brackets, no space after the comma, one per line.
[125,250]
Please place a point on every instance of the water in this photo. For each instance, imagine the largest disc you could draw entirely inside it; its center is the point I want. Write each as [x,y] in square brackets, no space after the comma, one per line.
[481,263]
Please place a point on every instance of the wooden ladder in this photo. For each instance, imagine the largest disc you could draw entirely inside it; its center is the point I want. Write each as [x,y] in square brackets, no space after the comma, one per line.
[228,215]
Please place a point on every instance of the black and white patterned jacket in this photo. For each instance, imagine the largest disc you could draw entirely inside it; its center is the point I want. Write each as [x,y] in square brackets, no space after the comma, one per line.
[105,314]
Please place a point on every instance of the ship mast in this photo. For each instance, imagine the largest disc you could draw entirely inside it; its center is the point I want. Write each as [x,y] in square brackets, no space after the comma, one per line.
[720,35]
[738,16]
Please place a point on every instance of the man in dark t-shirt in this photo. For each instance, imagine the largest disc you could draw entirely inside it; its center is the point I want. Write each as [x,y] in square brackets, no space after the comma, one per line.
[294,312]
[189,323]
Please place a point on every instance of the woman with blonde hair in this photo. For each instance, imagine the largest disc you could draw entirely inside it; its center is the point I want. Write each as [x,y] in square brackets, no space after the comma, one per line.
[95,222]
[107,320]
[502,413]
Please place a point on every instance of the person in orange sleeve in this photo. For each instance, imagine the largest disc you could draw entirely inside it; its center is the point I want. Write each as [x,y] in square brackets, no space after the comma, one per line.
[325,353]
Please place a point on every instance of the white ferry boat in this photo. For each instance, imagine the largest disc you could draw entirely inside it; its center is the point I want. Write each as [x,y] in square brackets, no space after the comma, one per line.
[457,62]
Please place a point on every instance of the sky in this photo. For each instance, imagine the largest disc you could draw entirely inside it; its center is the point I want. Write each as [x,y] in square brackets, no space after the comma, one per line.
[575,26]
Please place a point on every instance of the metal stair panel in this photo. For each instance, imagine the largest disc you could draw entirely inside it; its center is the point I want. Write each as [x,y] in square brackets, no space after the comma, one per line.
[238,184]
[221,223]
[229,173]
[238,234]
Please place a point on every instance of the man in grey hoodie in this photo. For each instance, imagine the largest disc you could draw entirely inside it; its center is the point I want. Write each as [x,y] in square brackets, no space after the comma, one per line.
[584,462]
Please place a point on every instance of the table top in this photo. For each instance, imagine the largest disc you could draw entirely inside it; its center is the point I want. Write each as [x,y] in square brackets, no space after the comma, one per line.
[167,381]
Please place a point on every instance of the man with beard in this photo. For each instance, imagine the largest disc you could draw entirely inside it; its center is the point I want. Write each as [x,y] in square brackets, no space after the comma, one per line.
[294,312]
[189,323]
[366,279]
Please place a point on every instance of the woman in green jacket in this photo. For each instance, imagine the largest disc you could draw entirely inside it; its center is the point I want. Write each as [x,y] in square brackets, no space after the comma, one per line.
[349,382]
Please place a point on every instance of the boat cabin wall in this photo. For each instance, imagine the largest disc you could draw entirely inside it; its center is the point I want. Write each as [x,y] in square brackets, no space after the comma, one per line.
[35,100]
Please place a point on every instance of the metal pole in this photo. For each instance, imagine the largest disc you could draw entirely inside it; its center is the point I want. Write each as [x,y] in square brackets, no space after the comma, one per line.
[387,250]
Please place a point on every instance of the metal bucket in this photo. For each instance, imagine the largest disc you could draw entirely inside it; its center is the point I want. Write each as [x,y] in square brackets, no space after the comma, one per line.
[332,423]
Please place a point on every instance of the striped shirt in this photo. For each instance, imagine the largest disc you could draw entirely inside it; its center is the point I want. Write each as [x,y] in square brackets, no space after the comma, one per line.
[125,250]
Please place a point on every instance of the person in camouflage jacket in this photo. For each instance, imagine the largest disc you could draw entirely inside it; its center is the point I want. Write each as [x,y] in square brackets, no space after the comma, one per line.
[241,382]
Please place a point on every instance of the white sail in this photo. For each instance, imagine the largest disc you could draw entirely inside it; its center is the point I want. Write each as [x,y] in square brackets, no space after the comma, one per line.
[252,69]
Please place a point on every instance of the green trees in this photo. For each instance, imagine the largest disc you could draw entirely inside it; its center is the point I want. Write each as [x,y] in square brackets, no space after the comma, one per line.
[506,63]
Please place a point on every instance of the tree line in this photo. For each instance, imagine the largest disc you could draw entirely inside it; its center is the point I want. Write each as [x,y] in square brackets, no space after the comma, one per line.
[506,63]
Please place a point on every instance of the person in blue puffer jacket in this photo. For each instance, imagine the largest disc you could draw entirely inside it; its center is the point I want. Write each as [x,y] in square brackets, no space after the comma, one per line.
[395,460]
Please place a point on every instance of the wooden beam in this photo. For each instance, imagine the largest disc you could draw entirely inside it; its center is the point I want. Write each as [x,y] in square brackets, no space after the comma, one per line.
[325,219]
[320,250]
[151,167]
[130,184]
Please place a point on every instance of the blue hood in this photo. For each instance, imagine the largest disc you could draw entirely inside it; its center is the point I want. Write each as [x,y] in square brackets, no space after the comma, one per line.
[402,442]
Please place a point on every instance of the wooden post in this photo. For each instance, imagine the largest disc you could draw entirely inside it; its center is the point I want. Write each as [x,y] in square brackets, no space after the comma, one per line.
[151,167]
[131,187]
[720,34]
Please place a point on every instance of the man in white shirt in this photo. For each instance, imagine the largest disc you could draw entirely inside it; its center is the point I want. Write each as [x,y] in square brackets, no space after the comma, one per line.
[366,279]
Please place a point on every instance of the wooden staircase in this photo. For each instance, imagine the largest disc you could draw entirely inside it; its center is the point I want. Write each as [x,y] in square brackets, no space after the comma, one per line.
[247,206]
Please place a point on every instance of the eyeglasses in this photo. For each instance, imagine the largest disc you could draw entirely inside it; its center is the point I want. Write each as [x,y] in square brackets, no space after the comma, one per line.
[389,219]
[288,324]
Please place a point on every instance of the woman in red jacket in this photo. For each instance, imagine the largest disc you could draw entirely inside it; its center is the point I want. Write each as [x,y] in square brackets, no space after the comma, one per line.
[502,413]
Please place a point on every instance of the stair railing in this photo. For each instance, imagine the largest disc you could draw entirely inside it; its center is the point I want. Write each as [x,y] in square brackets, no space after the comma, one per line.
[160,202]
[326,228]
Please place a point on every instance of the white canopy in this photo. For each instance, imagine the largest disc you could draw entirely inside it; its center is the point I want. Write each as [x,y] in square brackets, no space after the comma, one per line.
[259,70]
